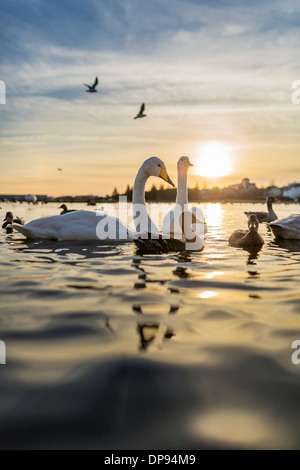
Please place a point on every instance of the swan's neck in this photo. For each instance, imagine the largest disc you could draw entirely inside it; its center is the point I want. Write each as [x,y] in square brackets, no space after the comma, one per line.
[182,192]
[142,221]
[138,196]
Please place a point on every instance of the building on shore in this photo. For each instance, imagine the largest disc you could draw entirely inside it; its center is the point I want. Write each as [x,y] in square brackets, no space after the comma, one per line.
[292,191]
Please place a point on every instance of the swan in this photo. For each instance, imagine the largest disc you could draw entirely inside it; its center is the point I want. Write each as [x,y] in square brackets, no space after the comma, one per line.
[247,238]
[288,228]
[193,214]
[266,216]
[183,227]
[88,225]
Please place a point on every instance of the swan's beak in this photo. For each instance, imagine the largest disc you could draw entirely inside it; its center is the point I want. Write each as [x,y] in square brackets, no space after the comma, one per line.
[191,164]
[164,175]
[277,200]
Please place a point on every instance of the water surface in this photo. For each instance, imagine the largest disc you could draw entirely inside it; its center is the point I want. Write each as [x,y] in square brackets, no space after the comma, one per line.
[110,350]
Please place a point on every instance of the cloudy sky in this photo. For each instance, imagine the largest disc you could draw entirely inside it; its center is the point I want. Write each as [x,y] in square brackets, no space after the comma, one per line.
[212,70]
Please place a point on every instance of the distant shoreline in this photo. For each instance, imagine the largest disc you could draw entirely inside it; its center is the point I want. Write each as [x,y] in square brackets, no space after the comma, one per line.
[199,201]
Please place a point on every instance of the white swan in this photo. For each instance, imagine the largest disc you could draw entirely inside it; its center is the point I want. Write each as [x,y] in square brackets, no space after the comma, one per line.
[288,228]
[87,225]
[174,223]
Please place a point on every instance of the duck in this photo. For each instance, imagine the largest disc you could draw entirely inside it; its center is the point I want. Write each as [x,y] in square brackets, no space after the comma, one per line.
[65,210]
[159,245]
[141,112]
[288,228]
[247,238]
[92,88]
[88,225]
[269,216]
[9,220]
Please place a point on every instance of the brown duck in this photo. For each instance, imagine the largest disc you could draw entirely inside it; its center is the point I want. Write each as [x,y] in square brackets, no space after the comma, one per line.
[9,219]
[247,239]
[65,210]
[266,216]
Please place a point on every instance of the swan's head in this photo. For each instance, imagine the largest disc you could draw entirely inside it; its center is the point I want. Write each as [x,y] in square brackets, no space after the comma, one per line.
[183,164]
[9,216]
[253,223]
[64,207]
[155,167]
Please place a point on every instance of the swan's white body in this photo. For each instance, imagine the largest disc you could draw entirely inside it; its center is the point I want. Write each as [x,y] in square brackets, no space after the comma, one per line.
[171,223]
[88,225]
[80,225]
[288,228]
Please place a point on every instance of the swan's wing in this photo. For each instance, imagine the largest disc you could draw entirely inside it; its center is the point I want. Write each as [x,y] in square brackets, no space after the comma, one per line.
[199,225]
[197,221]
[142,108]
[292,222]
[89,86]
[198,213]
[36,233]
[288,228]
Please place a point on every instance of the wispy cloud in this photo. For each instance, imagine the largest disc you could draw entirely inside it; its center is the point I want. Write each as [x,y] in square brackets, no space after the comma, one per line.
[206,70]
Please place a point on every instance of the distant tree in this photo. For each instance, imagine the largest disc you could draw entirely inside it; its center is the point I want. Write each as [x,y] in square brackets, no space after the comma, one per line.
[115,193]
[128,193]
[153,193]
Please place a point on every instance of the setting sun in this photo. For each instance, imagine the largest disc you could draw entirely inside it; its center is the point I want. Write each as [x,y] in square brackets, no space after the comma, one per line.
[214,160]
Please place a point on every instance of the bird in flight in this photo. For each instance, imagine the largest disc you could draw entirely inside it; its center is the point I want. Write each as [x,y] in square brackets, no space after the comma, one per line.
[141,112]
[59,169]
[92,88]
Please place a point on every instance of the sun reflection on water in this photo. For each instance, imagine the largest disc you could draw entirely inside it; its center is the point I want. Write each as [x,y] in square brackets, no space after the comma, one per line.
[214,215]
[214,274]
[207,294]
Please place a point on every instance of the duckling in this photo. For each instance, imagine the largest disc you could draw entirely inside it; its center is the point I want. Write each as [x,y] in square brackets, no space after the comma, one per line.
[148,246]
[250,238]
[66,210]
[9,219]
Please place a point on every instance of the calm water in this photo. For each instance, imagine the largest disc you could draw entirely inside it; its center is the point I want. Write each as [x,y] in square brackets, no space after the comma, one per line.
[110,350]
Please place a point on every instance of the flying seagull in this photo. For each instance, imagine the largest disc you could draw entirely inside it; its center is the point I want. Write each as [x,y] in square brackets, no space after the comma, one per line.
[92,88]
[141,112]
